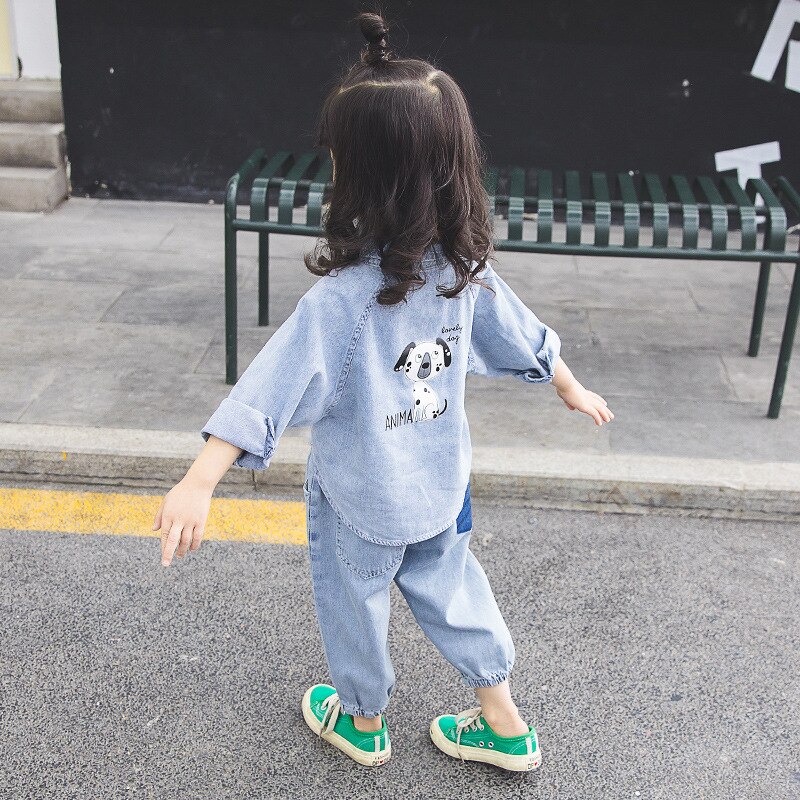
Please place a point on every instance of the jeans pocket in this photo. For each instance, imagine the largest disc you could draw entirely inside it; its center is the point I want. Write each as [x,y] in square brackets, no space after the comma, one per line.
[362,557]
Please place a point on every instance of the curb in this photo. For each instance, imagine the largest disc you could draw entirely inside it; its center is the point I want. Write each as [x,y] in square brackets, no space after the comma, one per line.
[130,458]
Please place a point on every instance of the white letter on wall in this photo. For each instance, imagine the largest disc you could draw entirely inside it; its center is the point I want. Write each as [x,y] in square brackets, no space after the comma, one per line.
[776,41]
[747,161]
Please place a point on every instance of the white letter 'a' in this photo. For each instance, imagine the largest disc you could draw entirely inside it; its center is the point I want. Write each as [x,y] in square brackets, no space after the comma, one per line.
[776,41]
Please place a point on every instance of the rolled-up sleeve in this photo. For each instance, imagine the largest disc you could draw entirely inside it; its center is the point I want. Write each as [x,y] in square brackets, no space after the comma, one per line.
[245,427]
[291,382]
[508,338]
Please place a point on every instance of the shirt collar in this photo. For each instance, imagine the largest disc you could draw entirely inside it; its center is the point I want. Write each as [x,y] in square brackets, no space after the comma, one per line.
[433,255]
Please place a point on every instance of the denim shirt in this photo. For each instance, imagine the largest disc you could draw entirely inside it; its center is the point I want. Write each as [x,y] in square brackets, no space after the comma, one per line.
[382,389]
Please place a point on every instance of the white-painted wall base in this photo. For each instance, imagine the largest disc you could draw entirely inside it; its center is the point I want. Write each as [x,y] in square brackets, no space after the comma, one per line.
[36,35]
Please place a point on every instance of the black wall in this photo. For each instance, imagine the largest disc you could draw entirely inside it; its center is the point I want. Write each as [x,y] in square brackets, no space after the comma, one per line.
[164,99]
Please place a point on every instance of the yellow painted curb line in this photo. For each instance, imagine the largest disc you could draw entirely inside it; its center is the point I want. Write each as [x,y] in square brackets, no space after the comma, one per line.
[272,521]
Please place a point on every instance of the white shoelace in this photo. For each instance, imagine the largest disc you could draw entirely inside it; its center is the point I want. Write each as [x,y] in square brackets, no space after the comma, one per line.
[331,708]
[469,720]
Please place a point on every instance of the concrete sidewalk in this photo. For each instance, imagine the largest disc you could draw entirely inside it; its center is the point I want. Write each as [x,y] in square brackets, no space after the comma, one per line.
[112,318]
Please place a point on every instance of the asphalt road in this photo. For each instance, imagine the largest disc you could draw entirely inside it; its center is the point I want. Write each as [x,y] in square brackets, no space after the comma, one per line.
[659,657]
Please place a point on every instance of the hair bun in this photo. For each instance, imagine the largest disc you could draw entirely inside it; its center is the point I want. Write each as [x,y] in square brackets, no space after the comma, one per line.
[375,31]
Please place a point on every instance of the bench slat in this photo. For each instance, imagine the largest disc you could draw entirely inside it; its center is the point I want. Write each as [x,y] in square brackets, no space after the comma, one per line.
[690,213]
[602,208]
[516,203]
[259,196]
[316,192]
[658,197]
[719,214]
[289,187]
[490,184]
[544,216]
[775,231]
[631,212]
[572,184]
[747,214]
[792,195]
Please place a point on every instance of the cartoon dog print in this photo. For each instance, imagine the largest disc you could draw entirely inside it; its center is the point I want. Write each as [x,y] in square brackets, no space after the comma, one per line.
[421,363]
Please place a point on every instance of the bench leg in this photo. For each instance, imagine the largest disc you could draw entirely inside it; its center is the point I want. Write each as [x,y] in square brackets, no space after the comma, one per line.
[787,342]
[263,279]
[758,310]
[231,321]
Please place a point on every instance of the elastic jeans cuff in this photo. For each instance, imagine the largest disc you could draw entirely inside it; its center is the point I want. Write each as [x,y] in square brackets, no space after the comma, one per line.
[357,711]
[492,680]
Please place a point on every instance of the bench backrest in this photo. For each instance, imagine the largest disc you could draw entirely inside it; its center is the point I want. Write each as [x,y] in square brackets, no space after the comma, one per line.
[603,203]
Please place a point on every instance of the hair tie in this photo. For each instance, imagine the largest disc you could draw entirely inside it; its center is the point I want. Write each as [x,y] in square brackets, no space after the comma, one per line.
[377,51]
[376,32]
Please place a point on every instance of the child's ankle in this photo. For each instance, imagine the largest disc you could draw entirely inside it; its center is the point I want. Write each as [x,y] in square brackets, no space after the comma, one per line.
[505,722]
[368,724]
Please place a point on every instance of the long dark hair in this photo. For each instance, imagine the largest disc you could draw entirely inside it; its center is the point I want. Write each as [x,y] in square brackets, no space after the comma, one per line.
[407,171]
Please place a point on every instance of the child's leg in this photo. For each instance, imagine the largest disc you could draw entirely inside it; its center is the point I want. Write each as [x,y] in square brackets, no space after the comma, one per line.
[500,711]
[449,594]
[351,579]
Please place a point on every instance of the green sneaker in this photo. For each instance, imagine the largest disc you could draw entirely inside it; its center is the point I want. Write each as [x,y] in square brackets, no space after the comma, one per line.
[468,736]
[323,714]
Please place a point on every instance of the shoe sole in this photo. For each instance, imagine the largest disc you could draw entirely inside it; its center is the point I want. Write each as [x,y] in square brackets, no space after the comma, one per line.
[360,756]
[507,761]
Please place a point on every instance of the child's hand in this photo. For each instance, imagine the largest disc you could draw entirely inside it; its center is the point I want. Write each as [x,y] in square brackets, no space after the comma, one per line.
[575,396]
[182,519]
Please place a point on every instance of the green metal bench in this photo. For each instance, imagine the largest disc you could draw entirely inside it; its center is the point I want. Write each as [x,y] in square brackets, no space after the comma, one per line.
[288,181]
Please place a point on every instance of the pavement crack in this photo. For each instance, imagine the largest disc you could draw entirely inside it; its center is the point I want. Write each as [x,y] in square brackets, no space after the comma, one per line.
[692,295]
[728,378]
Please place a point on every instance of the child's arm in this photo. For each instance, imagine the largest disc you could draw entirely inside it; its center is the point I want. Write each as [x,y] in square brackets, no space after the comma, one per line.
[509,339]
[576,397]
[183,511]
[292,381]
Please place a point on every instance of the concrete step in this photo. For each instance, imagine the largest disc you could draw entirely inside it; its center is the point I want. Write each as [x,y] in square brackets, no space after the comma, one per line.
[32,144]
[28,100]
[629,484]
[32,188]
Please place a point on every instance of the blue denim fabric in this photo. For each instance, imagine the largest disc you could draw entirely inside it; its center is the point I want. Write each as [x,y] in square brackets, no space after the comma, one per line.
[440,579]
[382,389]
[464,521]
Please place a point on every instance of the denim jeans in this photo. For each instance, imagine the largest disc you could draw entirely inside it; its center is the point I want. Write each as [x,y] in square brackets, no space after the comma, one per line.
[442,582]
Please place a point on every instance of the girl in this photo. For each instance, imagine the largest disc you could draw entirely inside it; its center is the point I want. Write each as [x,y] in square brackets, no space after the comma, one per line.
[374,360]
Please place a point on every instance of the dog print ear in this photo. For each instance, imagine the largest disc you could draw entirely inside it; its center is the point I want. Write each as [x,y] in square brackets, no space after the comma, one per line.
[447,355]
[402,360]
